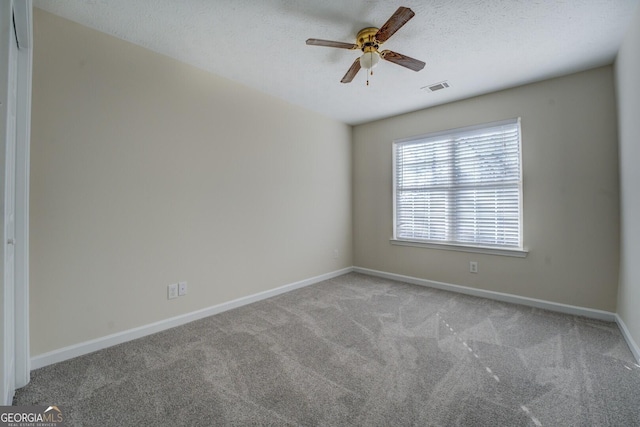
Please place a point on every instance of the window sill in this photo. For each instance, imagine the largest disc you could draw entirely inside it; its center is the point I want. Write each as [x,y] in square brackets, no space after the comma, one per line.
[518,253]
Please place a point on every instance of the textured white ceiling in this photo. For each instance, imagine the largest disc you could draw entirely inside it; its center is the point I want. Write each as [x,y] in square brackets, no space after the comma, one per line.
[479,46]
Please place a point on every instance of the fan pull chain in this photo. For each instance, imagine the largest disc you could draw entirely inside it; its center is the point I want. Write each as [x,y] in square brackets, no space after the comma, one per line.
[371,69]
[371,56]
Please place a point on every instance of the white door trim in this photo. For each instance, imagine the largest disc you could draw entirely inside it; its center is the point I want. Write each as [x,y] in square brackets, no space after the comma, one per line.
[24,29]
[14,311]
[9,116]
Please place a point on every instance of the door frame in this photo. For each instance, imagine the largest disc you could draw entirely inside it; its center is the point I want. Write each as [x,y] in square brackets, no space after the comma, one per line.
[23,13]
[18,12]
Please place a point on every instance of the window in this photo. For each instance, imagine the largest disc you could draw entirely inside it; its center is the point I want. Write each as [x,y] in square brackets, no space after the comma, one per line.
[461,187]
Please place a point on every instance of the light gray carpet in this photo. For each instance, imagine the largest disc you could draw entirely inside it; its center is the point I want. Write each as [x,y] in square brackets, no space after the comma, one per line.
[356,350]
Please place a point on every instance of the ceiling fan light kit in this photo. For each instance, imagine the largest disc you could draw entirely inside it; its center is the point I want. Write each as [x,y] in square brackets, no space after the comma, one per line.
[369,60]
[369,40]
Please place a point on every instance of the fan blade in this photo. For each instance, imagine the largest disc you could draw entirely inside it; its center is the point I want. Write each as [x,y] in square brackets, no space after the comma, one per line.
[397,20]
[355,67]
[329,43]
[400,59]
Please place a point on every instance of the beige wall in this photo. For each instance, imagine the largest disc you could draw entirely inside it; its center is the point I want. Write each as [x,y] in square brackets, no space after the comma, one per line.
[146,172]
[628,90]
[570,172]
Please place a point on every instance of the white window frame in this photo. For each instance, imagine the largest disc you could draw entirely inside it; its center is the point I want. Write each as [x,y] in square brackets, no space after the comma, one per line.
[460,246]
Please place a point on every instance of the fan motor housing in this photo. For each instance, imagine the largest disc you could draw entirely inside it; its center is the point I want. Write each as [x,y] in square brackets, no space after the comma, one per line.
[367,38]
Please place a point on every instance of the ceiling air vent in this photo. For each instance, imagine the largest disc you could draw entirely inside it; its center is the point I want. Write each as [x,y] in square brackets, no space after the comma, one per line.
[436,86]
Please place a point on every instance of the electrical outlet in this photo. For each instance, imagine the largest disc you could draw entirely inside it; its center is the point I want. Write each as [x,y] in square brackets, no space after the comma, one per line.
[182,288]
[172,291]
[336,253]
[473,267]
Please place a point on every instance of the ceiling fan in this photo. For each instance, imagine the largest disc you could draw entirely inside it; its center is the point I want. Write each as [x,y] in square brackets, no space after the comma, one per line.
[369,40]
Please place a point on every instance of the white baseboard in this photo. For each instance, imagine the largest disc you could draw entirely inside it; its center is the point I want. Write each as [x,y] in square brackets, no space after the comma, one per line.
[499,296]
[531,302]
[633,346]
[86,347]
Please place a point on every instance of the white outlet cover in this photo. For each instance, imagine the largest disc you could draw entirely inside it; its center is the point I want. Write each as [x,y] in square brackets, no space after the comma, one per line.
[473,266]
[182,288]
[172,291]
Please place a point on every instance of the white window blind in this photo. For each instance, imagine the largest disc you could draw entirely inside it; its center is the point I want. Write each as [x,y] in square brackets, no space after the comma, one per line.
[460,187]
